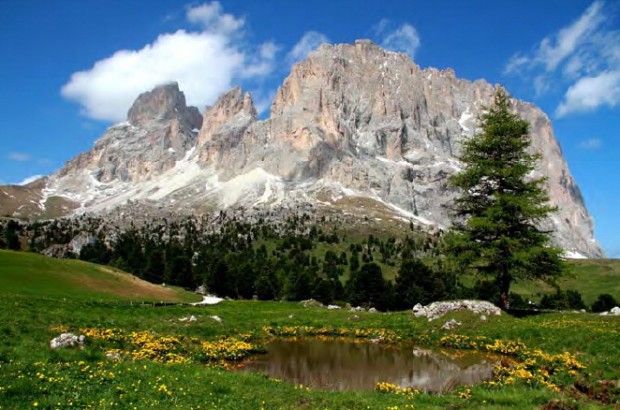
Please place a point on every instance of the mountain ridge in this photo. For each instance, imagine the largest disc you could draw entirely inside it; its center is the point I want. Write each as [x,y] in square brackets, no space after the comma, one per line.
[350,121]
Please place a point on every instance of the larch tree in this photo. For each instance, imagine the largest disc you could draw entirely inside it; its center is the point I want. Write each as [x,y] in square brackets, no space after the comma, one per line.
[497,229]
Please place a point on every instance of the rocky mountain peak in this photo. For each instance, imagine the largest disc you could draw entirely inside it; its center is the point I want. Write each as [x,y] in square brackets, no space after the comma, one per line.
[233,110]
[163,103]
[353,128]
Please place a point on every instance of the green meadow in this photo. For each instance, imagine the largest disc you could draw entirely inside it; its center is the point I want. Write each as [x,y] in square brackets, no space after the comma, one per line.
[40,297]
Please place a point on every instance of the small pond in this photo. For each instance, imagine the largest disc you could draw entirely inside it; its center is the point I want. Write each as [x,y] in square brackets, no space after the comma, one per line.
[337,364]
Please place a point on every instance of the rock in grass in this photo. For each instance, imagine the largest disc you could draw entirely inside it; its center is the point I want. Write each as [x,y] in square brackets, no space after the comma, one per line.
[332,307]
[114,355]
[613,311]
[208,300]
[311,303]
[451,324]
[438,309]
[66,340]
[216,318]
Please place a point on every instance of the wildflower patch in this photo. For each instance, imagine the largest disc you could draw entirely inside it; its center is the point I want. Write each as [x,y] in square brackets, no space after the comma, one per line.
[530,366]
[145,345]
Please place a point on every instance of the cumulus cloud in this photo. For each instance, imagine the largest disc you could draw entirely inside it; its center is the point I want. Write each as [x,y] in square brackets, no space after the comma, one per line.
[591,144]
[19,156]
[584,56]
[30,179]
[310,41]
[589,93]
[212,18]
[205,63]
[403,38]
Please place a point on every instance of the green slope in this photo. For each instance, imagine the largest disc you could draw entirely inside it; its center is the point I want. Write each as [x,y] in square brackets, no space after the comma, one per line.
[591,277]
[38,275]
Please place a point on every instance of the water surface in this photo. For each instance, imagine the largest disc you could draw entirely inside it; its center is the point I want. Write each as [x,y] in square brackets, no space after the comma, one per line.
[337,364]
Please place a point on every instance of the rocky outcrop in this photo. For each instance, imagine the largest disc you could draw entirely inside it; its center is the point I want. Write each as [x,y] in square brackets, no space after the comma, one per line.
[159,131]
[67,340]
[438,309]
[163,103]
[354,128]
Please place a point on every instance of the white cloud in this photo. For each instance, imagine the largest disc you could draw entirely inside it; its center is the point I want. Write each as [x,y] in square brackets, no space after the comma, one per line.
[212,18]
[591,144]
[553,51]
[589,93]
[30,179]
[204,63]
[19,156]
[584,57]
[262,63]
[403,39]
[310,41]
[515,63]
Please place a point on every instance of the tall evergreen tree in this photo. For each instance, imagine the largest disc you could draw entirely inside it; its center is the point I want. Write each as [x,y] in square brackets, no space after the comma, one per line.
[497,230]
[11,238]
[367,286]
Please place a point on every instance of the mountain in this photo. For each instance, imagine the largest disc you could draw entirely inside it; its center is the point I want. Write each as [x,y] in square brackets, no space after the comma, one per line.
[353,129]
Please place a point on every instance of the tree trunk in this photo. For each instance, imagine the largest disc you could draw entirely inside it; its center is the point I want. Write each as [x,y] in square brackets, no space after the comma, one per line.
[504,288]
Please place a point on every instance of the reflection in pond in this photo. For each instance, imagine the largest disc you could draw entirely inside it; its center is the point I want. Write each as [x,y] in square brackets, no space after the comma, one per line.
[346,365]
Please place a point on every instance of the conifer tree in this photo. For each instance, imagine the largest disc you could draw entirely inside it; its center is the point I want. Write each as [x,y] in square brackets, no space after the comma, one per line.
[499,211]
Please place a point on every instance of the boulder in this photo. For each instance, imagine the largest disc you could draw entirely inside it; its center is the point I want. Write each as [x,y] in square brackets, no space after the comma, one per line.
[451,324]
[208,300]
[81,240]
[66,340]
[311,303]
[333,307]
[438,309]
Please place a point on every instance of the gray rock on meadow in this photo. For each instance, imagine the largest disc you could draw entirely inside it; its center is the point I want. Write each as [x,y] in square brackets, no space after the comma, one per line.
[67,340]
[451,324]
[438,309]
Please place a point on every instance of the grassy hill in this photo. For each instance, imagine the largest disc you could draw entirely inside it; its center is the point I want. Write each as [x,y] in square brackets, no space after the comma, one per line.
[37,275]
[591,277]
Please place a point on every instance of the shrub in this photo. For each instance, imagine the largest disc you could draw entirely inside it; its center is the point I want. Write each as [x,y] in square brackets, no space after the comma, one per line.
[604,303]
[563,300]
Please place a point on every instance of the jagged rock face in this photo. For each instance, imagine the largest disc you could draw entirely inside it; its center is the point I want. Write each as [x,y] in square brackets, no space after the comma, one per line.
[353,127]
[374,122]
[224,124]
[159,130]
[164,103]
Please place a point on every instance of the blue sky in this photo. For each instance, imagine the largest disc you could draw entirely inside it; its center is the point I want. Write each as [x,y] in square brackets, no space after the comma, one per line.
[70,68]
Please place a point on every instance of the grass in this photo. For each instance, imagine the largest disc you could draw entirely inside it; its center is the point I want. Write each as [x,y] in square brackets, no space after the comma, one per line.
[33,375]
[591,277]
[34,274]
